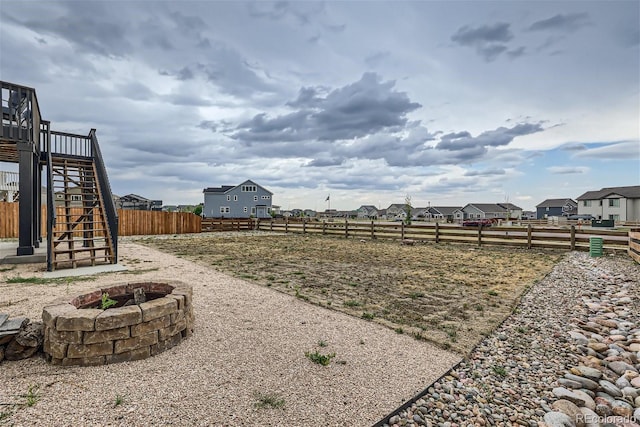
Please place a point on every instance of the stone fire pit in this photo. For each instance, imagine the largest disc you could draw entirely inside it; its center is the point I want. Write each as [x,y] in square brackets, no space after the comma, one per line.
[77,333]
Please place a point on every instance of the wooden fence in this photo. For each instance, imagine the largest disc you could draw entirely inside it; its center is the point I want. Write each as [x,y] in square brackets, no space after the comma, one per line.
[571,238]
[130,222]
[634,244]
[219,224]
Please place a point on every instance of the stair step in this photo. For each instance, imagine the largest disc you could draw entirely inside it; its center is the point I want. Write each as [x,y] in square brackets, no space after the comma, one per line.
[83,249]
[3,318]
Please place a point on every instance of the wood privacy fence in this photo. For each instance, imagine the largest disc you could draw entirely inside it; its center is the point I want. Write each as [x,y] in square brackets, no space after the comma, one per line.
[573,238]
[131,223]
[634,244]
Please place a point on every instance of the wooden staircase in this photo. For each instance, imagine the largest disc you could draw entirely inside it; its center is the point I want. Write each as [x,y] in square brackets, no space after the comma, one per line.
[81,234]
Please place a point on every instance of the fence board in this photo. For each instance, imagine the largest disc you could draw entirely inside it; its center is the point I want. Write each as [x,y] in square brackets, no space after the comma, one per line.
[634,244]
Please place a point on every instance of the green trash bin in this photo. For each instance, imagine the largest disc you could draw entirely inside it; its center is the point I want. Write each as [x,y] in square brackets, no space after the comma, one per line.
[595,246]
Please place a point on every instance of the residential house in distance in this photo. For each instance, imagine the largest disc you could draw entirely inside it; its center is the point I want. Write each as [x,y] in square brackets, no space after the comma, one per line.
[367,212]
[446,213]
[397,211]
[245,200]
[489,210]
[556,207]
[75,198]
[138,203]
[513,211]
[617,203]
[8,186]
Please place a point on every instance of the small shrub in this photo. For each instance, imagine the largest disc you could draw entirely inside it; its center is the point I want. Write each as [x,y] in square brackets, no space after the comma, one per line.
[322,343]
[119,400]
[352,303]
[269,400]
[399,331]
[415,295]
[320,359]
[493,293]
[368,316]
[499,370]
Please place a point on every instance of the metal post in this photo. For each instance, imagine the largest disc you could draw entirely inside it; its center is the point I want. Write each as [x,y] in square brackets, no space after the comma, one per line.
[437,232]
[26,236]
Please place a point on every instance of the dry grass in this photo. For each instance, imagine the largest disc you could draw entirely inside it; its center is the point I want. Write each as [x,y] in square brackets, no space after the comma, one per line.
[452,295]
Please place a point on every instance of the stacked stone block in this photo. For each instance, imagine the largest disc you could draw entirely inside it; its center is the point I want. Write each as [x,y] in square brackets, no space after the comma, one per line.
[89,336]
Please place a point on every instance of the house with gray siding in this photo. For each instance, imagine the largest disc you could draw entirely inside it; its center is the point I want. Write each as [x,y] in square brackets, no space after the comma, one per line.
[247,200]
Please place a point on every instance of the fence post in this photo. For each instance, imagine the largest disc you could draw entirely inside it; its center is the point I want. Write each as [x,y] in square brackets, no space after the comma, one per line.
[529,236]
[346,228]
[373,234]
[271,225]
[437,232]
[324,226]
[304,226]
[573,237]
[286,225]
[479,235]
[402,230]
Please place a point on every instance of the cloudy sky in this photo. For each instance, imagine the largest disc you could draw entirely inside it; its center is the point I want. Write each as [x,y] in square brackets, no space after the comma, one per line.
[448,102]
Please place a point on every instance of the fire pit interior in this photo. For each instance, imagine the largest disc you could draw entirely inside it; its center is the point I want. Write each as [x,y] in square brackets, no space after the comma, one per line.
[120,323]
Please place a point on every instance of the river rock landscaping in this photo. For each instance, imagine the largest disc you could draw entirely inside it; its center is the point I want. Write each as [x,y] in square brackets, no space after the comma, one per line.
[567,356]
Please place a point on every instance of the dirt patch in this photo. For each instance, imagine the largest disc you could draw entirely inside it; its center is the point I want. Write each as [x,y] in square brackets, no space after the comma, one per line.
[452,295]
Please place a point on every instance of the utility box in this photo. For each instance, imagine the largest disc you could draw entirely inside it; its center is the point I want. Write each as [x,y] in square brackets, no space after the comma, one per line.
[596,246]
[603,223]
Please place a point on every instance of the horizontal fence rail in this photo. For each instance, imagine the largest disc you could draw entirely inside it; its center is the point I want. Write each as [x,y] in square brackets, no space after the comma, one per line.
[132,223]
[571,238]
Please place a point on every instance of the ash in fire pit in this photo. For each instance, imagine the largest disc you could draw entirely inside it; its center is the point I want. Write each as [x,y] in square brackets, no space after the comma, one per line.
[144,320]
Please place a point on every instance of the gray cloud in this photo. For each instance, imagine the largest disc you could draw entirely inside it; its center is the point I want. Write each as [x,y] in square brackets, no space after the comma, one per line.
[486,172]
[325,162]
[564,23]
[568,170]
[493,138]
[488,40]
[377,58]
[468,36]
[624,150]
[356,110]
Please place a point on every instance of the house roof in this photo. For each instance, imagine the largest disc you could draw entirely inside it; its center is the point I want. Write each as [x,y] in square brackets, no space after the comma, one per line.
[631,192]
[510,206]
[445,210]
[487,207]
[397,206]
[368,207]
[555,203]
[225,188]
[134,197]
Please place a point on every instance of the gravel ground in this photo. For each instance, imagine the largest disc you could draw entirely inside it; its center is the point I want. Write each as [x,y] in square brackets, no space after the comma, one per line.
[248,347]
[567,356]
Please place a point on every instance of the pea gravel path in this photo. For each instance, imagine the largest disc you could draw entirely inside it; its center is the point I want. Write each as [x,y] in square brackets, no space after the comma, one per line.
[249,341]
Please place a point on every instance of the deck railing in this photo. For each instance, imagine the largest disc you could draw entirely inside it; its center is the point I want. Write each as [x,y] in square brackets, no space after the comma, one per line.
[69,144]
[20,114]
[105,192]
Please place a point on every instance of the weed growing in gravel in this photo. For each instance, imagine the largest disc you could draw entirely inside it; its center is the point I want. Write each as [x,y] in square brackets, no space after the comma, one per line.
[415,295]
[368,316]
[320,359]
[352,303]
[119,400]
[493,293]
[399,330]
[2,270]
[322,343]
[299,295]
[269,400]
[32,395]
[144,270]
[521,329]
[4,415]
[499,370]
[31,280]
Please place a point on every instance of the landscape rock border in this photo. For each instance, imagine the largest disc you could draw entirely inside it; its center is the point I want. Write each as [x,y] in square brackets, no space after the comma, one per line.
[88,337]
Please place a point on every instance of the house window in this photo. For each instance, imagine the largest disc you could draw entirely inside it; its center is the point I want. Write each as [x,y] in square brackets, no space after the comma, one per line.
[76,198]
[235,198]
[255,198]
[547,208]
[228,197]
[224,209]
[244,209]
[265,197]
[59,196]
[253,210]
[249,188]
[614,203]
[586,203]
[600,202]
[614,217]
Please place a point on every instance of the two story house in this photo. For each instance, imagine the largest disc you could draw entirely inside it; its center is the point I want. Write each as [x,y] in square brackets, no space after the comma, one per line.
[556,207]
[246,200]
[490,211]
[367,212]
[616,203]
